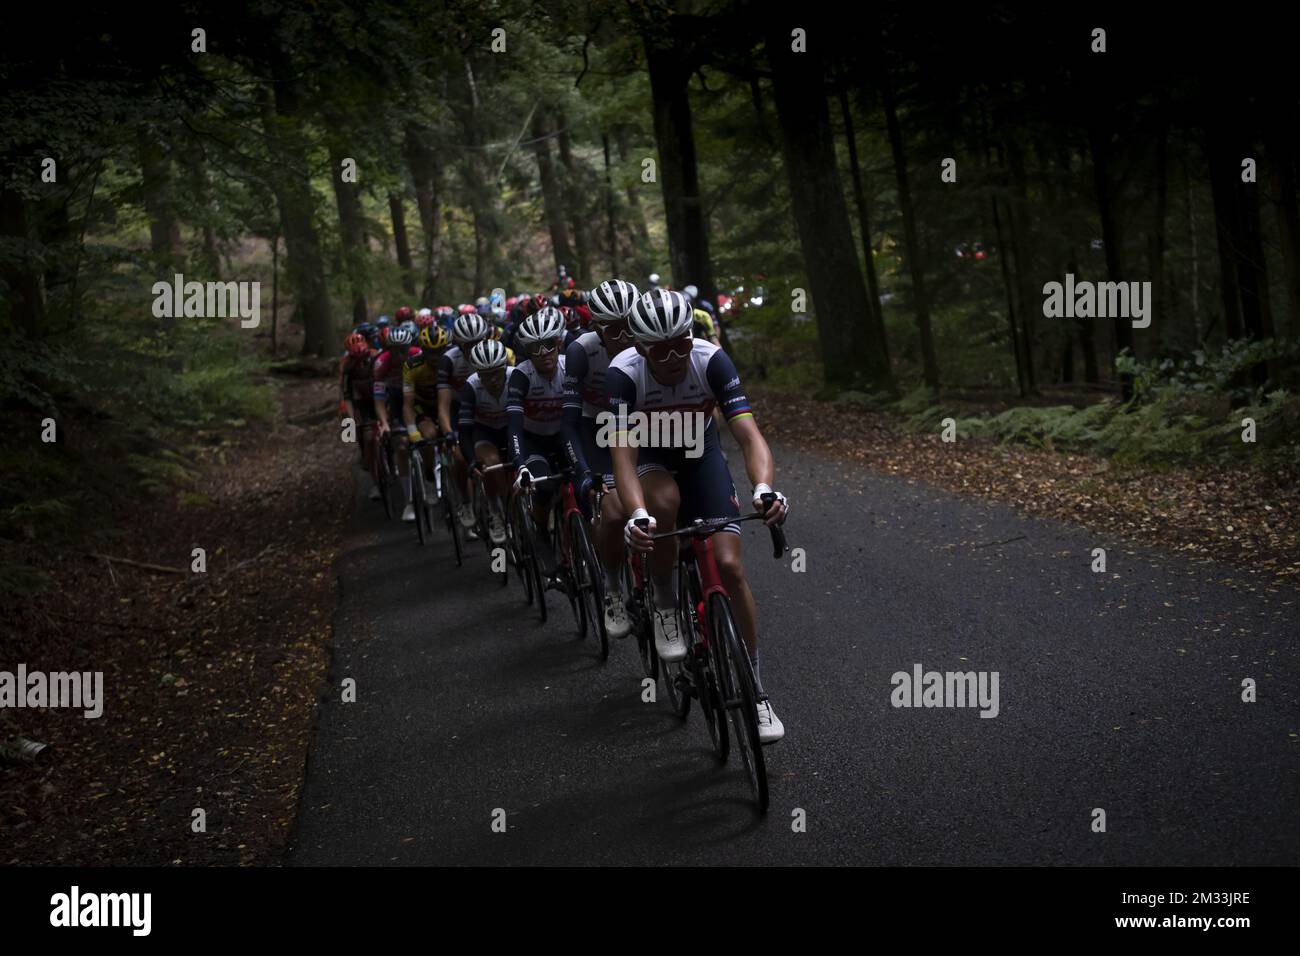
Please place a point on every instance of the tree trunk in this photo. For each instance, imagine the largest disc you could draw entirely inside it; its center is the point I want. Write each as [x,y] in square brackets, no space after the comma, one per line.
[1288,228]
[426,172]
[1018,222]
[688,238]
[854,351]
[21,271]
[1009,286]
[1156,241]
[575,202]
[611,231]
[874,315]
[639,234]
[197,181]
[1099,140]
[1223,192]
[915,260]
[292,184]
[159,202]
[351,233]
[552,193]
[397,211]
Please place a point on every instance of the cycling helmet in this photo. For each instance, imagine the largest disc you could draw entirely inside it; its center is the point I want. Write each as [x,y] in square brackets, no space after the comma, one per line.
[469,328]
[356,344]
[382,320]
[404,314]
[465,308]
[612,300]
[424,318]
[383,335]
[545,324]
[400,338]
[434,337]
[487,355]
[660,315]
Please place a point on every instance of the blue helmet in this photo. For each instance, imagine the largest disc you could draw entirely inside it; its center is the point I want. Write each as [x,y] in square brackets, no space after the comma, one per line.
[382,320]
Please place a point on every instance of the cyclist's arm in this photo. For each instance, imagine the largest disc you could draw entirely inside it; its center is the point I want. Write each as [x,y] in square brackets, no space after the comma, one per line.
[724,381]
[466,423]
[621,395]
[408,398]
[575,372]
[380,393]
[515,393]
[446,368]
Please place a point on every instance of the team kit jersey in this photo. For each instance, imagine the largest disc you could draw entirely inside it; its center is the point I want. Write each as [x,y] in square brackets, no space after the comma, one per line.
[711,381]
[420,379]
[483,415]
[387,385]
[585,366]
[454,370]
[535,405]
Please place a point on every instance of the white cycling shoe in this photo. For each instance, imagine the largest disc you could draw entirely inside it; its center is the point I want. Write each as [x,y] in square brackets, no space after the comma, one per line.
[496,529]
[770,728]
[668,639]
[466,515]
[616,624]
[408,513]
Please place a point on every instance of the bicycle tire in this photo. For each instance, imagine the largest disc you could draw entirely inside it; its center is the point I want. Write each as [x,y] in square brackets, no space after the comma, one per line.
[741,696]
[589,579]
[416,466]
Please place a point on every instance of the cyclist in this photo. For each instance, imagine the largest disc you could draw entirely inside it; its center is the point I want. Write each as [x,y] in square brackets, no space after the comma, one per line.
[535,405]
[453,371]
[356,384]
[670,371]
[387,390]
[586,361]
[420,385]
[484,439]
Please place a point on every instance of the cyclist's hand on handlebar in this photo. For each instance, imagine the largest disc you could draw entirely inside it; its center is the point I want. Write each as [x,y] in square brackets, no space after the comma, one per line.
[413,433]
[637,531]
[476,468]
[775,510]
[522,477]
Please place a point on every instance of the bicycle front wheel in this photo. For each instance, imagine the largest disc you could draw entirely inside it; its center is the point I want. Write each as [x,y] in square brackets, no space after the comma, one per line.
[740,694]
[417,492]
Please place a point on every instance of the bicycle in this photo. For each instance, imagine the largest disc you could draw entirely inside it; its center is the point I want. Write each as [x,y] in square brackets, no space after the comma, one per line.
[448,490]
[484,507]
[385,472]
[577,569]
[716,671]
[421,487]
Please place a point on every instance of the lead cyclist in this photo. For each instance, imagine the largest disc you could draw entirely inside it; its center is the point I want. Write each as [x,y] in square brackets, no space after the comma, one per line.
[671,371]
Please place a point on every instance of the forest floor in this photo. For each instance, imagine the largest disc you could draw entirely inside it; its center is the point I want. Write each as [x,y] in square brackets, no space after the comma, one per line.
[1245,517]
[209,679]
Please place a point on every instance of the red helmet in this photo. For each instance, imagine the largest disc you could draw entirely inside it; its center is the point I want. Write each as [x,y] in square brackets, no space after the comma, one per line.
[424,321]
[510,303]
[466,309]
[539,302]
[356,344]
[571,316]
[404,314]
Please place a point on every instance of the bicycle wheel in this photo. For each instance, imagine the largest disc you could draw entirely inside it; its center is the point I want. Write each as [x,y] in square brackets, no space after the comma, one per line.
[451,493]
[589,579]
[518,557]
[740,694]
[384,468]
[533,557]
[417,492]
[646,637]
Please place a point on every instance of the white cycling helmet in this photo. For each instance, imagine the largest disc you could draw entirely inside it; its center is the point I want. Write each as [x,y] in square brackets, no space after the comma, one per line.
[612,300]
[400,337]
[487,355]
[545,323]
[425,312]
[660,315]
[469,328]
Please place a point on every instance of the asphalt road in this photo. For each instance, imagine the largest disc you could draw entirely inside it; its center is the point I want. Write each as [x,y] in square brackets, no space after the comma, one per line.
[1120,691]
